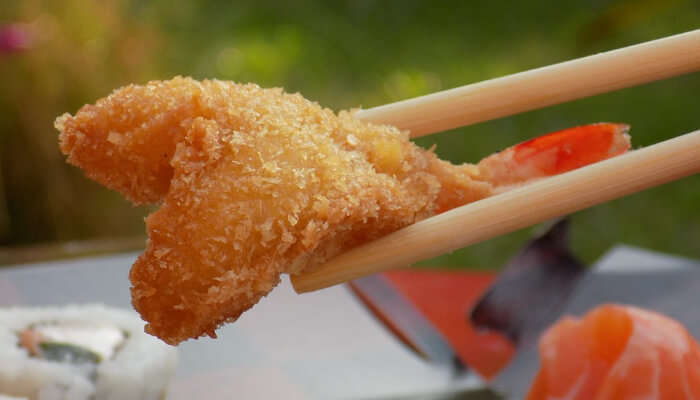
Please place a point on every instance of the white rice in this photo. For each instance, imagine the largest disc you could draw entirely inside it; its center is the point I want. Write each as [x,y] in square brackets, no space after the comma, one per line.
[140,370]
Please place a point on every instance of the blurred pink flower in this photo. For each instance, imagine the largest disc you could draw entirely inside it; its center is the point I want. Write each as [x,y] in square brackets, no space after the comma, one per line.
[14,38]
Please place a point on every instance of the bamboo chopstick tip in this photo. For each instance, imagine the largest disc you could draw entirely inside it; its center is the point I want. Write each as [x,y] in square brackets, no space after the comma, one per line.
[298,284]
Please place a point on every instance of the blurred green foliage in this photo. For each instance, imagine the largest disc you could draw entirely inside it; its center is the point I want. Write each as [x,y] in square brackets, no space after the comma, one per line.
[342,54]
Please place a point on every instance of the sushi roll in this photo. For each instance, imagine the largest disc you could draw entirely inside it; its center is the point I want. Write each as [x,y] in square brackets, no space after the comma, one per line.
[81,352]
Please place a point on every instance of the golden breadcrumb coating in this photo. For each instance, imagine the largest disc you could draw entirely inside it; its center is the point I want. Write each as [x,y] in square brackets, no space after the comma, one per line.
[252,183]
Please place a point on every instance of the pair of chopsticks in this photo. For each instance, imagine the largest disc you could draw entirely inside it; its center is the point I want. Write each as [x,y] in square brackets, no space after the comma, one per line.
[542,200]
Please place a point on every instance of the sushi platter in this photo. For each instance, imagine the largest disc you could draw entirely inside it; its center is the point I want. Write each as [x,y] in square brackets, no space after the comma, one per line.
[327,344]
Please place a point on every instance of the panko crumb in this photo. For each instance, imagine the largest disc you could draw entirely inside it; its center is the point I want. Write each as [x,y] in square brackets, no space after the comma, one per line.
[252,183]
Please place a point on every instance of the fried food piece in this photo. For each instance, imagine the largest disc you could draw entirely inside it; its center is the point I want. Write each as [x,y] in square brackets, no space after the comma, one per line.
[252,183]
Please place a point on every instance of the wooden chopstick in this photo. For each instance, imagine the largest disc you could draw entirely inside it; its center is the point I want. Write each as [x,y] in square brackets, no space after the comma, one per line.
[538,201]
[512,210]
[542,87]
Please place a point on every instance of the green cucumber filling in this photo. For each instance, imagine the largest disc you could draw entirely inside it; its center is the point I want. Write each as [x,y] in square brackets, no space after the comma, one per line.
[68,353]
[73,342]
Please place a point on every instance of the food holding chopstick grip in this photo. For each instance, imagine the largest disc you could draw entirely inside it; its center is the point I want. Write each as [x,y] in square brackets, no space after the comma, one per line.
[516,209]
[253,183]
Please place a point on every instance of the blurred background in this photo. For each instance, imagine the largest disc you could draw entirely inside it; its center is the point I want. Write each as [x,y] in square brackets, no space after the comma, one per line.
[57,56]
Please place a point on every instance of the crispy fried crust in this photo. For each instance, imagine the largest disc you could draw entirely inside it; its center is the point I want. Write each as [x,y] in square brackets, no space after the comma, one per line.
[252,183]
